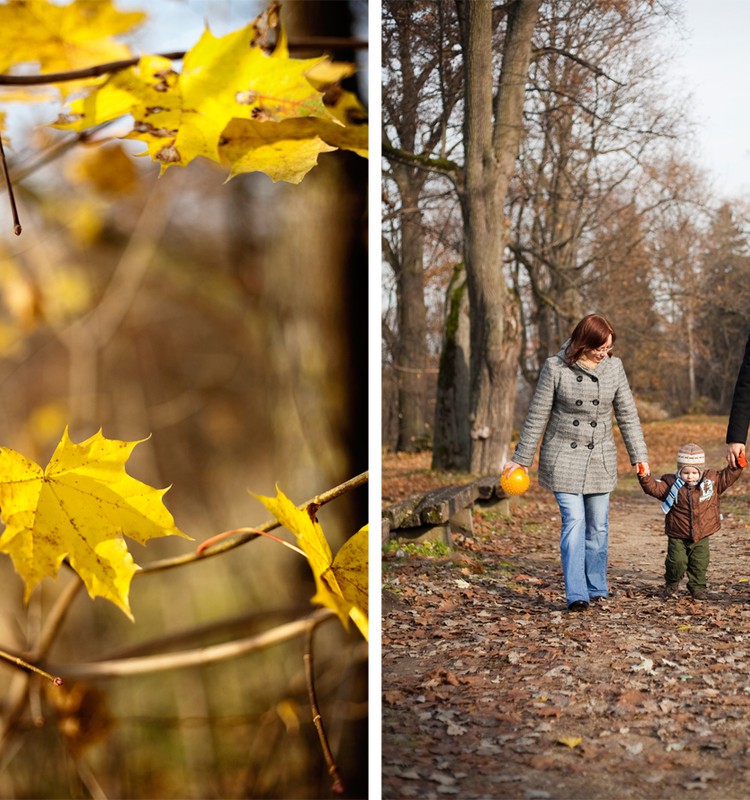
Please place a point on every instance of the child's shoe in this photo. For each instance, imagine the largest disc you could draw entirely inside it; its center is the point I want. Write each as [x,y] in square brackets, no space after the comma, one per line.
[669,589]
[698,594]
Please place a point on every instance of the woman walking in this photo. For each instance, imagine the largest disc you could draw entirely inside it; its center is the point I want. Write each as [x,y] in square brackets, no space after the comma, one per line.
[572,408]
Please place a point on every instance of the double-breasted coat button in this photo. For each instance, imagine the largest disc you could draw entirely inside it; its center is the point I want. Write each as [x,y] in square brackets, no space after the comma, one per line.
[580,402]
[573,445]
[595,402]
[594,378]
[579,378]
[593,424]
[576,423]
[590,445]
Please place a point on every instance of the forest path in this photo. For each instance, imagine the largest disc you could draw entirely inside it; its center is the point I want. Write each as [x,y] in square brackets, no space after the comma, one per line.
[491,689]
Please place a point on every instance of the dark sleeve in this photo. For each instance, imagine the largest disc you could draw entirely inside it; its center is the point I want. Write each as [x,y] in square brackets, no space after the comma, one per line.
[739,416]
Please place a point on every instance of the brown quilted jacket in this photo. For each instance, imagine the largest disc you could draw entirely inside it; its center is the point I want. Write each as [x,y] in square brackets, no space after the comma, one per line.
[696,513]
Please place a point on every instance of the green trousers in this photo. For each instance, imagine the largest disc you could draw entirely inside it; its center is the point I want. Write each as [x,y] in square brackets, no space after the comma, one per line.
[684,555]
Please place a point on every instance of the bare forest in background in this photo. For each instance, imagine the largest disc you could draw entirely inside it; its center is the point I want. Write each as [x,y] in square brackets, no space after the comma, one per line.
[227,322]
[606,211]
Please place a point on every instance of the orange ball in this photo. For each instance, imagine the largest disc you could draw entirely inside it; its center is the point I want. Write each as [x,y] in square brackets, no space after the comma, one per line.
[515,482]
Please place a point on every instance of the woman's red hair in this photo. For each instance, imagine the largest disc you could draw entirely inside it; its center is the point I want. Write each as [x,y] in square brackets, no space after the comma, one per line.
[590,333]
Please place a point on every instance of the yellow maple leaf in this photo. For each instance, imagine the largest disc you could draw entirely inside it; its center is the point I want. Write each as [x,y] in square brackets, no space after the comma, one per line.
[341,582]
[146,91]
[285,151]
[61,38]
[348,128]
[78,508]
[182,116]
[216,107]
[352,131]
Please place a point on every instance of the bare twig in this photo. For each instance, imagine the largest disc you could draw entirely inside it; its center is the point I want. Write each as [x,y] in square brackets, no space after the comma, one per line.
[19,662]
[86,774]
[598,71]
[57,615]
[16,221]
[96,71]
[118,668]
[59,148]
[338,786]
[242,538]
[78,74]
[17,695]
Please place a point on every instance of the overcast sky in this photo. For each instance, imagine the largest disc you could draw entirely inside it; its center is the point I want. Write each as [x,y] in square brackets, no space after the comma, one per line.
[714,62]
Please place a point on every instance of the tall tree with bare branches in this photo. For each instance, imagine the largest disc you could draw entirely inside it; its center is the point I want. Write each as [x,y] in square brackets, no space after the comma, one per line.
[493,126]
[416,106]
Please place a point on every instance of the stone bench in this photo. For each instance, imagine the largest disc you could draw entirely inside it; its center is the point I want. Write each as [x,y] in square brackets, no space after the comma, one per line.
[440,513]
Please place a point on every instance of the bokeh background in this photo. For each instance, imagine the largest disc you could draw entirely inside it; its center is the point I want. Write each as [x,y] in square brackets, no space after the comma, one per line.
[228,323]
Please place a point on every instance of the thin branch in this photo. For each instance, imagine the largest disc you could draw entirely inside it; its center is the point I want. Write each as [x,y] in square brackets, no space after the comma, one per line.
[14,211]
[17,695]
[441,166]
[244,624]
[58,149]
[79,74]
[333,771]
[55,618]
[242,538]
[118,668]
[598,71]
[312,43]
[19,662]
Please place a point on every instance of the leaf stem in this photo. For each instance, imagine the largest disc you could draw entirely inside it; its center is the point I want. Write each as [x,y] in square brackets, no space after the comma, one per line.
[220,536]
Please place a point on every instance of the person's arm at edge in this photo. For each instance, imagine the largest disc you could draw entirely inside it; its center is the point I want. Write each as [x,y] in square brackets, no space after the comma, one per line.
[739,416]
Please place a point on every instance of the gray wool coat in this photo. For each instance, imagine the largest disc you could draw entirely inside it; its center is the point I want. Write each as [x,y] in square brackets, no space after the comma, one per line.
[572,407]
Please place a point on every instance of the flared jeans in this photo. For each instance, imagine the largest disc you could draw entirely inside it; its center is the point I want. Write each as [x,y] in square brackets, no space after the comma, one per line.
[584,544]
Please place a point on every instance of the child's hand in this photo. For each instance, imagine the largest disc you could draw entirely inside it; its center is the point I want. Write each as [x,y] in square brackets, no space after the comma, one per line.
[642,468]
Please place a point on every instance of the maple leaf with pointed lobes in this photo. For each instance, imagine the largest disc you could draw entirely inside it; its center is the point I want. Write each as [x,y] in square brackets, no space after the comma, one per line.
[182,116]
[341,582]
[78,508]
[232,103]
[60,38]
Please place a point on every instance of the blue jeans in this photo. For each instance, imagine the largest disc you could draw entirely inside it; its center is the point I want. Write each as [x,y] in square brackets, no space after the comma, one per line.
[584,543]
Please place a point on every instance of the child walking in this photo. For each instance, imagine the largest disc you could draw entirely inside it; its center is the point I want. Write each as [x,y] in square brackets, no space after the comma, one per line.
[691,505]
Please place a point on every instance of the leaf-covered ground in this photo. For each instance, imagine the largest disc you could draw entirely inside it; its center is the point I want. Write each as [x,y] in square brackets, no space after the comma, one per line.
[491,689]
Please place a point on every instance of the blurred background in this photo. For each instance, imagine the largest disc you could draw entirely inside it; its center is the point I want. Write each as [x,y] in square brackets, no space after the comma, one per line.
[227,321]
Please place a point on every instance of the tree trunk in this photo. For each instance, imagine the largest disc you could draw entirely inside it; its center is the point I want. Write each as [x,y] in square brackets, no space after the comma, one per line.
[451,449]
[491,143]
[412,351]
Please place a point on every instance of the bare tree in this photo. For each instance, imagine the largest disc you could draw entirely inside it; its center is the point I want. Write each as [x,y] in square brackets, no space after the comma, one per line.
[493,128]
[597,124]
[722,316]
[416,105]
